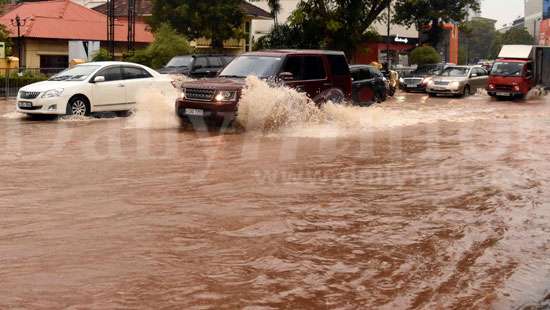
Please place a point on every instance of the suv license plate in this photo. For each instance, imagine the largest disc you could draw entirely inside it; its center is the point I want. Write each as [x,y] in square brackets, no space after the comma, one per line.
[412,85]
[194,112]
[25,104]
[503,94]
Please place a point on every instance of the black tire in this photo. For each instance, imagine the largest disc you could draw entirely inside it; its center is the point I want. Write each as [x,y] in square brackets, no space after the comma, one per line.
[78,106]
[123,113]
[467,91]
[431,95]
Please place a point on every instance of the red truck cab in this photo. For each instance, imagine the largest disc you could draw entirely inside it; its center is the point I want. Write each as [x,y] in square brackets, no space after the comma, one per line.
[518,69]
[511,78]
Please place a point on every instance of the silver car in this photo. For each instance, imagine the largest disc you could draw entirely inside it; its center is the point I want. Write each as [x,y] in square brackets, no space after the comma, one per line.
[458,81]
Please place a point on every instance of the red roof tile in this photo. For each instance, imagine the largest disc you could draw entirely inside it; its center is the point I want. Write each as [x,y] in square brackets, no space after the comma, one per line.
[63,19]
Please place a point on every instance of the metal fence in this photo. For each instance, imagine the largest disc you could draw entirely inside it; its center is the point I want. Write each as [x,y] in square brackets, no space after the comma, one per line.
[12,79]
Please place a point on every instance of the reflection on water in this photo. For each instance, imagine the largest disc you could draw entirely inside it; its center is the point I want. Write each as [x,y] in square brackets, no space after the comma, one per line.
[415,203]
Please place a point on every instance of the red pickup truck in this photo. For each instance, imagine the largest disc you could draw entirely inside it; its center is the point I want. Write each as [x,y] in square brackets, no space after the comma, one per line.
[518,69]
[322,75]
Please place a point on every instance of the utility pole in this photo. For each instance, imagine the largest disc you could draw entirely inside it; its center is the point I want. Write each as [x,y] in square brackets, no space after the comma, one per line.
[18,22]
[111,28]
[131,26]
[388,60]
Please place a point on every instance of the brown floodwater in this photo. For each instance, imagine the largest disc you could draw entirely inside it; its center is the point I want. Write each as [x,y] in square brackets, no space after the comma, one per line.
[417,203]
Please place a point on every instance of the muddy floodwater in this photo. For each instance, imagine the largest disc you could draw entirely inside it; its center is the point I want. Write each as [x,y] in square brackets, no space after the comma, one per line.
[417,203]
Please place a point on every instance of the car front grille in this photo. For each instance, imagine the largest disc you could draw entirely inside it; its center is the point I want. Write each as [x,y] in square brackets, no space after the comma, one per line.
[503,87]
[441,83]
[412,81]
[28,94]
[199,94]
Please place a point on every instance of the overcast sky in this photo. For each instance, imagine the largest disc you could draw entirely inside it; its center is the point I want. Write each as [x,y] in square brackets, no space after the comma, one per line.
[505,11]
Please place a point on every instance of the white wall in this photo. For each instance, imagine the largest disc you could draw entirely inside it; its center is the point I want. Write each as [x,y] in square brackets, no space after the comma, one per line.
[90,3]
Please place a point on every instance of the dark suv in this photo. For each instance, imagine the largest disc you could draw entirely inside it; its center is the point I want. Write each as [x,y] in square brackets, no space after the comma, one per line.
[197,66]
[322,75]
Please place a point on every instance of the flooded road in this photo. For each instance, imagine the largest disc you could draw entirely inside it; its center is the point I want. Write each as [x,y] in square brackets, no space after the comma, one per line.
[416,203]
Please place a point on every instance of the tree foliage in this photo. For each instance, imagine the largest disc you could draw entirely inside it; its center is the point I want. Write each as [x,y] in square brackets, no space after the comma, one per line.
[168,43]
[217,20]
[425,55]
[429,15]
[475,38]
[331,24]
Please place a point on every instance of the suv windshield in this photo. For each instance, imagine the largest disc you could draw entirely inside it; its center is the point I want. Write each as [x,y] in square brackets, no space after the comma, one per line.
[507,68]
[260,66]
[180,61]
[78,73]
[455,72]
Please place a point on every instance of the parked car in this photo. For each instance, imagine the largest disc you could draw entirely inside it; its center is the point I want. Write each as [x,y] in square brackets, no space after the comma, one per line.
[196,66]
[90,87]
[458,80]
[322,75]
[518,69]
[418,79]
[369,85]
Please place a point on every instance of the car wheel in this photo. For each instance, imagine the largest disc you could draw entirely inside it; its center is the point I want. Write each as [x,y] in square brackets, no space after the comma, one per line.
[78,106]
[466,92]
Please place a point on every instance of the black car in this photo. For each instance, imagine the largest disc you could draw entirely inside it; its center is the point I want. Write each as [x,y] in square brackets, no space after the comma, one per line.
[197,66]
[369,84]
[418,79]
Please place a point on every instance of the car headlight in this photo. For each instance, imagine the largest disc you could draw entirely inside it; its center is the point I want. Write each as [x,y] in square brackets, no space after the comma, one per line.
[430,83]
[226,96]
[183,93]
[426,80]
[454,85]
[53,93]
[401,81]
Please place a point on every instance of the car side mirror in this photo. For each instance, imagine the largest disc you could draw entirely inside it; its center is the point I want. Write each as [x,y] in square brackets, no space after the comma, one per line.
[286,76]
[99,79]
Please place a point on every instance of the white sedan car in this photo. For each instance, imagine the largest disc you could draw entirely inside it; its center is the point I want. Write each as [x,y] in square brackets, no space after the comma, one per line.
[91,87]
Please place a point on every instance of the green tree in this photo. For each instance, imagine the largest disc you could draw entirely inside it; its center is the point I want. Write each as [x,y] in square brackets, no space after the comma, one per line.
[475,36]
[340,25]
[102,55]
[168,43]
[511,37]
[425,55]
[430,15]
[217,20]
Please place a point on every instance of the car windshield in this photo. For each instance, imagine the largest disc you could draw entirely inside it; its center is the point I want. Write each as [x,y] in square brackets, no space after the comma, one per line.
[507,68]
[455,72]
[182,61]
[78,73]
[260,66]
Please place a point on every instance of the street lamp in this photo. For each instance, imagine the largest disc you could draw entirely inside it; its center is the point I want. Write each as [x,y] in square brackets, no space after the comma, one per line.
[18,22]
[388,61]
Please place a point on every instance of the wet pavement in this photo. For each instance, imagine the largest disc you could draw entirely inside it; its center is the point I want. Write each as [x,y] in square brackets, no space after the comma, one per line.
[417,203]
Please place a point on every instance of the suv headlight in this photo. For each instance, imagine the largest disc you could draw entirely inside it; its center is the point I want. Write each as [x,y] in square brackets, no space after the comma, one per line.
[53,93]
[226,96]
[183,93]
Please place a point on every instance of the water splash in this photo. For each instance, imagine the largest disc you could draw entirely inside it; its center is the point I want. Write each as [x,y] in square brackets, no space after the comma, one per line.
[155,107]
[268,109]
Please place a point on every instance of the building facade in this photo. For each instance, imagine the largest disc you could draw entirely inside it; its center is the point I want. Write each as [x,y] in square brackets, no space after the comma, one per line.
[533,16]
